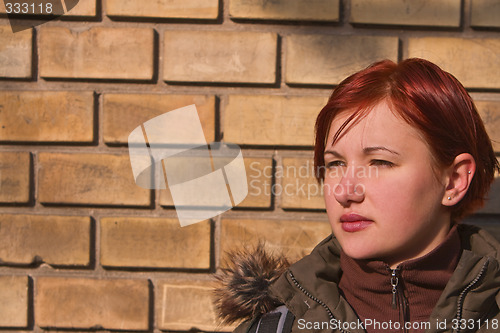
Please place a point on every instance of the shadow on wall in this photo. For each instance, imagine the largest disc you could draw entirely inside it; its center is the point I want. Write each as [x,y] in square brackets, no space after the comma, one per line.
[485,217]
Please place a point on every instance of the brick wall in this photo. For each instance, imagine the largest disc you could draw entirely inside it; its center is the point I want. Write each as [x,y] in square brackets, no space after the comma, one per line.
[83,247]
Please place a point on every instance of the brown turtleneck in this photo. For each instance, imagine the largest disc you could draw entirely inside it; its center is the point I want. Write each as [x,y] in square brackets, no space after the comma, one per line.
[366,285]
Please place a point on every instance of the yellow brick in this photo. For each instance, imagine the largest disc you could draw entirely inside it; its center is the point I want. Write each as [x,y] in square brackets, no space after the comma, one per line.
[474,62]
[56,240]
[299,187]
[15,52]
[85,303]
[216,56]
[490,113]
[259,180]
[124,112]
[485,13]
[189,9]
[301,10]
[184,305]
[15,177]
[96,53]
[159,243]
[325,59]
[47,116]
[444,13]
[271,120]
[14,304]
[82,8]
[92,179]
[293,238]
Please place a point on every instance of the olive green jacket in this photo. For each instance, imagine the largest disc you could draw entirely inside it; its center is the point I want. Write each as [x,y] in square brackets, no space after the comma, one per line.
[469,303]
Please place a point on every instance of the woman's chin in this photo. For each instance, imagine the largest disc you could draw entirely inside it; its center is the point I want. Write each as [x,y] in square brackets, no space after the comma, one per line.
[360,252]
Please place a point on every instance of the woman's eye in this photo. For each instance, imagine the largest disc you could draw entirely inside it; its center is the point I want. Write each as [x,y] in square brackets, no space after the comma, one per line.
[333,164]
[382,163]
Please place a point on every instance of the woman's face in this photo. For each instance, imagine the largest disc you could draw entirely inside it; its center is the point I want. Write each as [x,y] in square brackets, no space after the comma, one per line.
[383,196]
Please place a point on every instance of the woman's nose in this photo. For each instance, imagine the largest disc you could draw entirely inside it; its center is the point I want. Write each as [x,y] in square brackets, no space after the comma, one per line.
[349,189]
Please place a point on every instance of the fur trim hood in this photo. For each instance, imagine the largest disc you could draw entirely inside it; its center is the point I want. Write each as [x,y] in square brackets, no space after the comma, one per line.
[243,291]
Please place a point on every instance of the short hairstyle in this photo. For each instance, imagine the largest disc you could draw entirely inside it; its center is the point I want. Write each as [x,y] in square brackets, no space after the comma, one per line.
[427,98]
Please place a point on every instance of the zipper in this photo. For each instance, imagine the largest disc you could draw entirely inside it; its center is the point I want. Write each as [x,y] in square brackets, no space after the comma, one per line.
[394,284]
[461,297]
[398,298]
[320,302]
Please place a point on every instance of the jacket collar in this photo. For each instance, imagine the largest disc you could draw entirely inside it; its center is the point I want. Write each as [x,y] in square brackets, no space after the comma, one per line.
[475,284]
[318,274]
[411,290]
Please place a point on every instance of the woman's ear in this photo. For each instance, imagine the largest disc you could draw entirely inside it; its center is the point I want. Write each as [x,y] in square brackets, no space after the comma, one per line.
[459,177]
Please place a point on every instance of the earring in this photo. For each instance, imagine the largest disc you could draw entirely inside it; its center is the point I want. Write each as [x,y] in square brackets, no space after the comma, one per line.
[470,172]
[449,198]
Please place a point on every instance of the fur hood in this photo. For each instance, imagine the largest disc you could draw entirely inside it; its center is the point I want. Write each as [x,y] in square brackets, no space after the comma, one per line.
[243,290]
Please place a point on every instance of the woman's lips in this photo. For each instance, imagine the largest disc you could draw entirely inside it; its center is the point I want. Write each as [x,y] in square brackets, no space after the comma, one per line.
[354,222]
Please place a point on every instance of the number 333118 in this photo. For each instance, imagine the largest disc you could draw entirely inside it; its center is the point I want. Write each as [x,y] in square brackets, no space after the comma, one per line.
[28,8]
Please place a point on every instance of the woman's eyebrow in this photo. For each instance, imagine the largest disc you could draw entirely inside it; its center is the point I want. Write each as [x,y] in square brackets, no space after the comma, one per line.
[366,151]
[369,150]
[334,153]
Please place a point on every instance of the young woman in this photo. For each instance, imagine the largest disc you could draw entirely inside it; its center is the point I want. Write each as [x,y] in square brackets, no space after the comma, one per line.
[403,156]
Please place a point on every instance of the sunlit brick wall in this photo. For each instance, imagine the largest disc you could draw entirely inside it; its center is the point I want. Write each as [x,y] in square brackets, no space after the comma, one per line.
[82,246]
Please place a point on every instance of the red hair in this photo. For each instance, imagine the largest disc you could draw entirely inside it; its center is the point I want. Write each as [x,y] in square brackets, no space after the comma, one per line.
[427,98]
